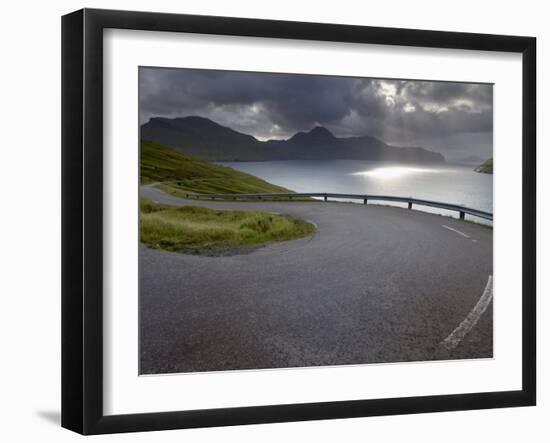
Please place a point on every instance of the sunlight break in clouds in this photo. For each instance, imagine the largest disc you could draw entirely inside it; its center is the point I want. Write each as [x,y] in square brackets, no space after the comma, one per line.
[453,118]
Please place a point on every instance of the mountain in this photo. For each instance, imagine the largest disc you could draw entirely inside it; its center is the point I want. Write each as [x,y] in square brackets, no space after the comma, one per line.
[208,140]
[317,135]
[203,138]
[486,167]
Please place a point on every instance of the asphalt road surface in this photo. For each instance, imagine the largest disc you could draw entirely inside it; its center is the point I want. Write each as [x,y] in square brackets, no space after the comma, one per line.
[374,284]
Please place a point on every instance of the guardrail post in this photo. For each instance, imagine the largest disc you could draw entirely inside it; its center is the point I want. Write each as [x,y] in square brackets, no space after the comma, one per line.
[410,205]
[364,201]
[325,197]
[461,215]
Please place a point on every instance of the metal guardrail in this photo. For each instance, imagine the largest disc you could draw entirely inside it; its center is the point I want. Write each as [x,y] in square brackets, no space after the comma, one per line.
[462,210]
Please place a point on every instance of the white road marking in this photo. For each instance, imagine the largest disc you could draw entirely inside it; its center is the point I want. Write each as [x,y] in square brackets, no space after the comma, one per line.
[471,319]
[456,230]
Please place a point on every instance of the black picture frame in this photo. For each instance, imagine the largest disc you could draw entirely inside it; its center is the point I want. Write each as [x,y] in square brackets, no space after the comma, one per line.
[82,219]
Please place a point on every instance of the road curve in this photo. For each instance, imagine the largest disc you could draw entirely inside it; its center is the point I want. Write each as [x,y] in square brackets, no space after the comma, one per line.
[374,284]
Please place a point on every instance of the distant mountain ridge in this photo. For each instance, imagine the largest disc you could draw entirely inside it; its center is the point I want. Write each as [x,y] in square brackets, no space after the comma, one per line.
[211,141]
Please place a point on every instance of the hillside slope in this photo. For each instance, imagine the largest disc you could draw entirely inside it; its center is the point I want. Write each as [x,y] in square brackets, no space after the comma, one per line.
[185,173]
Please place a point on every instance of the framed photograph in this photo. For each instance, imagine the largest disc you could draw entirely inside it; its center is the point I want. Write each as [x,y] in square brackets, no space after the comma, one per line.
[269,221]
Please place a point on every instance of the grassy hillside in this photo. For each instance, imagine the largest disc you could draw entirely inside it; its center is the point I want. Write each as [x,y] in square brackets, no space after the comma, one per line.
[183,173]
[486,167]
[199,230]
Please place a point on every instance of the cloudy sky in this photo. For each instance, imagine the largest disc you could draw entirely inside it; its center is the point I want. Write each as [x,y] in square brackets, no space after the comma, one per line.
[453,118]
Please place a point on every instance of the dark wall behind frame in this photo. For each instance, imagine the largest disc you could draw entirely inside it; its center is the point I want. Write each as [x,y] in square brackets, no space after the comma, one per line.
[82,220]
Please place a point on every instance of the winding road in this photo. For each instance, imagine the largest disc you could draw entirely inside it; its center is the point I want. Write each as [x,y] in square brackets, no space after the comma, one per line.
[374,284]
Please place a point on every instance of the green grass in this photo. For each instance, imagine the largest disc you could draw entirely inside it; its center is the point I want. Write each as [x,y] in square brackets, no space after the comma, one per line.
[198,229]
[486,167]
[183,173]
[180,174]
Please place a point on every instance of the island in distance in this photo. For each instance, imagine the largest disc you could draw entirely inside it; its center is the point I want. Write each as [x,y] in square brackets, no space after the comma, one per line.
[210,141]
[486,167]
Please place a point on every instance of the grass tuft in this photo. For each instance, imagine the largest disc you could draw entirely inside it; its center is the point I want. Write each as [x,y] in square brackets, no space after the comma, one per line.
[195,228]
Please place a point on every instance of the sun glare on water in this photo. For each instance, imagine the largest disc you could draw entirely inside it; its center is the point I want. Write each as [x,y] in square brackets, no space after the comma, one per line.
[392,172]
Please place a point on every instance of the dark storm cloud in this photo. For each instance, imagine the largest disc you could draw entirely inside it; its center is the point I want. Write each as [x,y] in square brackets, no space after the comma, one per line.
[439,115]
